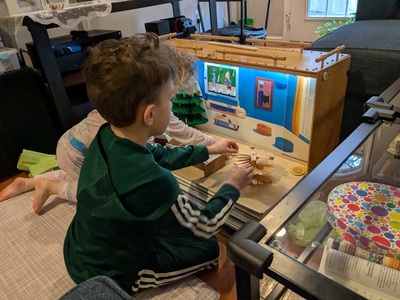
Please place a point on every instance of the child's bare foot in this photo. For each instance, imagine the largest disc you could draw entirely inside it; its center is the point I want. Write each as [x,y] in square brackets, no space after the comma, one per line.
[44,188]
[18,186]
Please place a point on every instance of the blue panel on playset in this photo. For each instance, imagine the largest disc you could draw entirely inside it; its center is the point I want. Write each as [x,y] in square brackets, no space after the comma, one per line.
[282,93]
[271,109]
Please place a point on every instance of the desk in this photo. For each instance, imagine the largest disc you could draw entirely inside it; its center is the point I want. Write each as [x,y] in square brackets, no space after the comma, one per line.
[47,58]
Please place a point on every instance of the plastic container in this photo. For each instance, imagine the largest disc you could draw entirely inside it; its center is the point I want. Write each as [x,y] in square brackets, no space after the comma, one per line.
[8,59]
[367,215]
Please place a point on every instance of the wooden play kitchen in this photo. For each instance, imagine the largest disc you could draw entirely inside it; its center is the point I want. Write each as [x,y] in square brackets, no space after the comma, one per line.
[328,69]
[271,95]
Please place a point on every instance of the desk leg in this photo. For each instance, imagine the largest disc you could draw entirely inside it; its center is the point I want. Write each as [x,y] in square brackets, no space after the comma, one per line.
[51,72]
[213,17]
[175,9]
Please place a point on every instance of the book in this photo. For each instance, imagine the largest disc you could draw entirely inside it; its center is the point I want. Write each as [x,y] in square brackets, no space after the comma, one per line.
[371,280]
[346,247]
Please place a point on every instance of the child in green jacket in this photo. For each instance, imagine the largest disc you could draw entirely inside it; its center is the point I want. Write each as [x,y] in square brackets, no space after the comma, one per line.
[132,223]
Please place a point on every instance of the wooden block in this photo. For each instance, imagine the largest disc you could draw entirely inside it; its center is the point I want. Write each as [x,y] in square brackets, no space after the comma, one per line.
[212,165]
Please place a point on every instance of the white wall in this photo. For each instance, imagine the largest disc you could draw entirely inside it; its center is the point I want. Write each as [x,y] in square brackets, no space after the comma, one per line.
[132,21]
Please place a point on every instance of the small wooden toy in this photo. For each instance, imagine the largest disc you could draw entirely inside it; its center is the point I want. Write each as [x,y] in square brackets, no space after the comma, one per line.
[260,161]
[212,165]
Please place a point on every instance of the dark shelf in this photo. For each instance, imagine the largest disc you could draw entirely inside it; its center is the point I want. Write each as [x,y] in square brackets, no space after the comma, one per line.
[128,5]
[68,102]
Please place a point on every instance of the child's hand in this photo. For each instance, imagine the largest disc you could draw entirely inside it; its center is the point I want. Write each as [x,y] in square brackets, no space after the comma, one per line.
[240,176]
[223,146]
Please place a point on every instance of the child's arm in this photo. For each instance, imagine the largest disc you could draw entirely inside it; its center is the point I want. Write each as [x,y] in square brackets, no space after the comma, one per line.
[223,146]
[185,134]
[207,222]
[173,158]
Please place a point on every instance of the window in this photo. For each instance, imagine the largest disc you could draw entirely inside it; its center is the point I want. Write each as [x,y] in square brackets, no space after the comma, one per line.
[331,8]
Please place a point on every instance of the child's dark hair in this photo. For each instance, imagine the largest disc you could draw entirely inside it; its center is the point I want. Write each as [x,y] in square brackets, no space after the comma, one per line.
[123,74]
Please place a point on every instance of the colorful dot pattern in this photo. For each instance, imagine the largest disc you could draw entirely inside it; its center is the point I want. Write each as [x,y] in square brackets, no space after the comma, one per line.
[367,215]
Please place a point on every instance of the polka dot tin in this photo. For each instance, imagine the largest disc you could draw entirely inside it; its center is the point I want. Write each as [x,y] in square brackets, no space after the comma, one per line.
[367,215]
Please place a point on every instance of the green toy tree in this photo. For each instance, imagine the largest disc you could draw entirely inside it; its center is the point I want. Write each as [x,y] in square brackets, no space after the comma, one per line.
[188,106]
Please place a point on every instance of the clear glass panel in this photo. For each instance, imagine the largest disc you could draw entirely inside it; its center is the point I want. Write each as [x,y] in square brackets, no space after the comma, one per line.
[317,8]
[371,162]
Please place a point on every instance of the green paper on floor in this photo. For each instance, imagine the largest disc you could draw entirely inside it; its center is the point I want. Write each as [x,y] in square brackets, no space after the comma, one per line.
[36,162]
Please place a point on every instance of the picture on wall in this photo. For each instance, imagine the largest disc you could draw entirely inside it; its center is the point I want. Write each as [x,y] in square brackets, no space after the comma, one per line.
[264,92]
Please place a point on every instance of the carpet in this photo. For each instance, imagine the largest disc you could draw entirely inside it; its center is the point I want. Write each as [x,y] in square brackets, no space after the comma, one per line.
[31,255]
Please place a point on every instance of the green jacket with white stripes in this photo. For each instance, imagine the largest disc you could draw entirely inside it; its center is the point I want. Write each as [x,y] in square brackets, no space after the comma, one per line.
[128,200]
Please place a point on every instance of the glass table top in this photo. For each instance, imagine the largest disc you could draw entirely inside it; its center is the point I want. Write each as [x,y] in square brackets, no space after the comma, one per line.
[356,212]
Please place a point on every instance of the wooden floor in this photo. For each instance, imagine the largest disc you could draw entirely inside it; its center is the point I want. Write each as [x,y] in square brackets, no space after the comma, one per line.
[221,279]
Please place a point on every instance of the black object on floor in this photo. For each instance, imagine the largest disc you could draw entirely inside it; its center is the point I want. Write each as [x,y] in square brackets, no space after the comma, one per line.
[28,119]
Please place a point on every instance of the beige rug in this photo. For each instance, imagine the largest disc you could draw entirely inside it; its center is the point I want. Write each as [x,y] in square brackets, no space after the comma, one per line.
[31,255]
